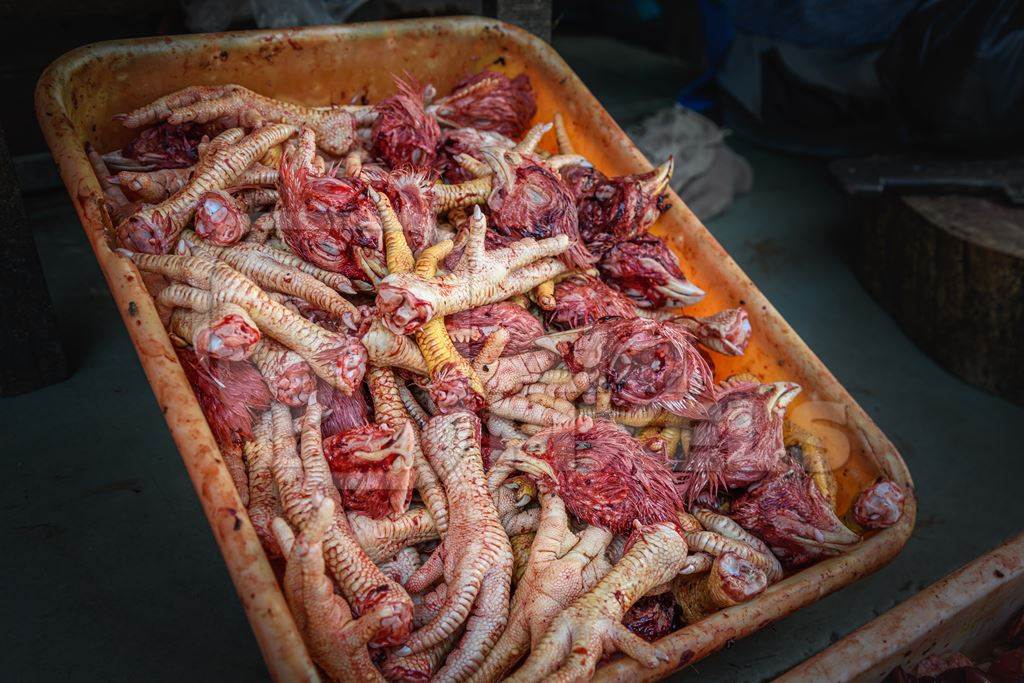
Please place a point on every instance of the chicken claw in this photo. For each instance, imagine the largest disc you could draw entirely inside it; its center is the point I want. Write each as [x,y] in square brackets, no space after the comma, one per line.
[592,625]
[560,568]
[475,557]
[336,641]
[303,479]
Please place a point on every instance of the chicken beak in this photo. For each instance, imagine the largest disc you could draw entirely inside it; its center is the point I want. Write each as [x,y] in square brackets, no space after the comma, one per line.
[405,440]
[524,489]
[495,158]
[400,445]
[683,291]
[559,161]
[658,181]
[782,395]
[402,481]
[842,537]
[530,464]
[836,540]
[370,267]
[677,289]
[376,455]
[550,342]
[723,346]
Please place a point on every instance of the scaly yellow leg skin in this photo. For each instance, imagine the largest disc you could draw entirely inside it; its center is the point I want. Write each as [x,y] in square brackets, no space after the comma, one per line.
[570,390]
[491,350]
[668,438]
[258,264]
[685,437]
[521,554]
[387,349]
[544,295]
[272,157]
[303,479]
[155,228]
[249,251]
[426,264]
[555,567]
[263,505]
[336,639]
[448,197]
[475,557]
[648,432]
[331,355]
[562,136]
[671,437]
[390,406]
[382,538]
[815,459]
[688,522]
[728,527]
[439,351]
[154,187]
[730,581]
[530,412]
[477,169]
[716,544]
[591,626]
[407,301]
[333,124]
[412,405]
[396,247]
[635,417]
[603,402]
[528,144]
[184,297]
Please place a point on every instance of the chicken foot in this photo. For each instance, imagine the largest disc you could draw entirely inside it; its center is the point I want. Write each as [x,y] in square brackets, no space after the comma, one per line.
[336,641]
[475,557]
[303,479]
[592,625]
[407,301]
[561,567]
[155,228]
[334,125]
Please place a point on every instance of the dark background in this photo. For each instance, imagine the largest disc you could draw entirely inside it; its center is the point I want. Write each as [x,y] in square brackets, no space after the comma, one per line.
[111,572]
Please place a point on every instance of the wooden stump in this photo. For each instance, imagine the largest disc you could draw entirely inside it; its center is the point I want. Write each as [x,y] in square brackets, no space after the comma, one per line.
[950,270]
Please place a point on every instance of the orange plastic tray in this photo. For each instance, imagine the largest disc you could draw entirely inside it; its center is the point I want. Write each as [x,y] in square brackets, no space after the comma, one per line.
[968,611]
[80,92]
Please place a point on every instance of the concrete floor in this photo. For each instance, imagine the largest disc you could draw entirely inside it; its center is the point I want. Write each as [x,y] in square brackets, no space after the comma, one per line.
[113,575]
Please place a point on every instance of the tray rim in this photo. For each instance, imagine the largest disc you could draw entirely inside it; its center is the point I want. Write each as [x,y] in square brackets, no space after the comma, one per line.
[893,631]
[265,607]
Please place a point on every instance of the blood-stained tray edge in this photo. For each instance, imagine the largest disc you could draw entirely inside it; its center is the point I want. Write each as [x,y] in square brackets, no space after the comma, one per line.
[776,352]
[968,608]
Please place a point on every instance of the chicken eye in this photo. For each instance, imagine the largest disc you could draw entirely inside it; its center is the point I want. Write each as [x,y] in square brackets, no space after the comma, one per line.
[585,465]
[216,211]
[536,196]
[329,248]
[742,420]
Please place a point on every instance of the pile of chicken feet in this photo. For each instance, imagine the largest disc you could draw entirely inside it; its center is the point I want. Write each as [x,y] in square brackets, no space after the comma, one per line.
[449,375]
